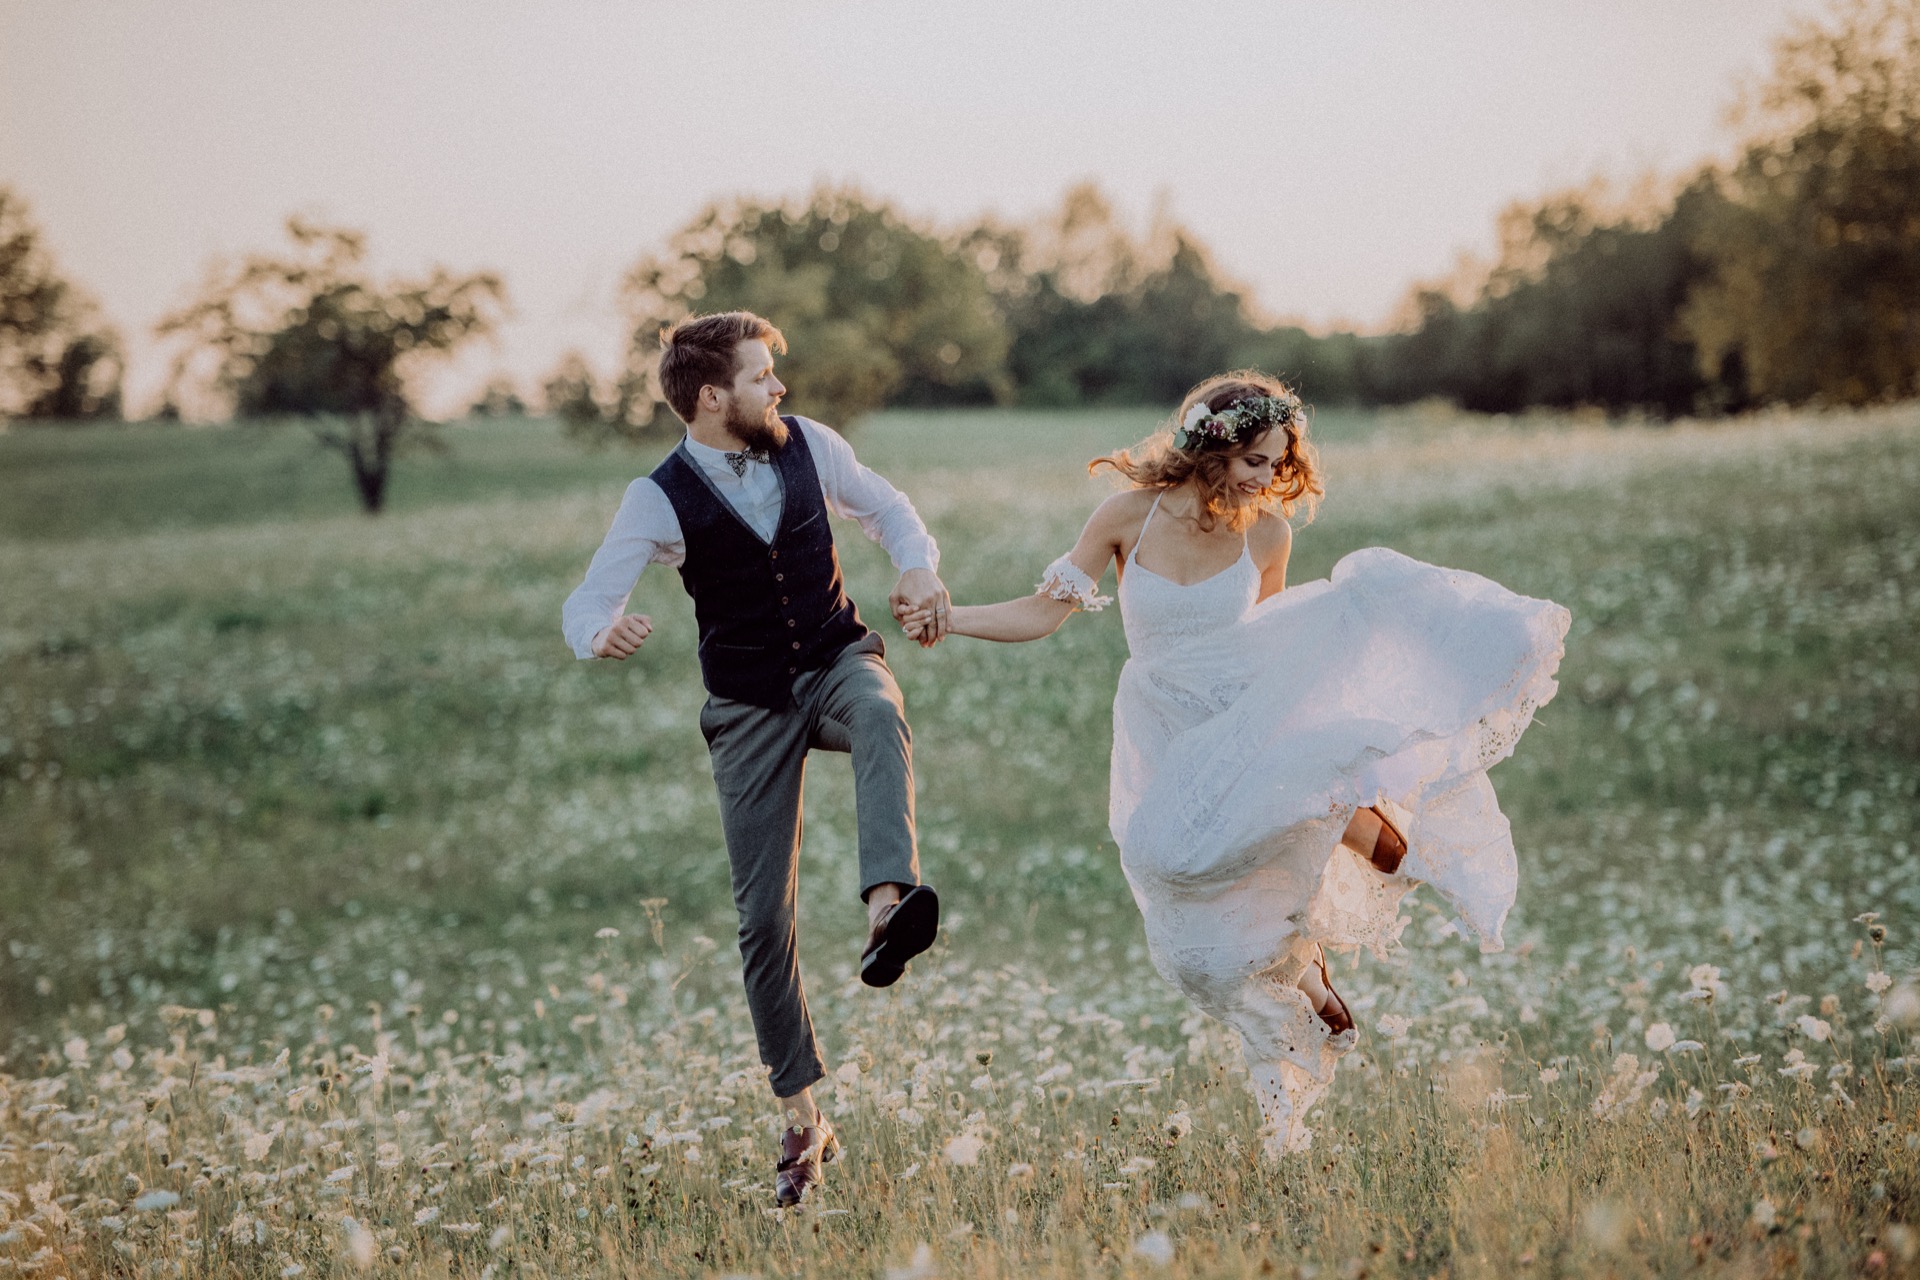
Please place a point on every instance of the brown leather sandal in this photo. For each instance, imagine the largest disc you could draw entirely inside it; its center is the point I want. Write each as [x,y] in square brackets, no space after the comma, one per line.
[1389,847]
[1334,1013]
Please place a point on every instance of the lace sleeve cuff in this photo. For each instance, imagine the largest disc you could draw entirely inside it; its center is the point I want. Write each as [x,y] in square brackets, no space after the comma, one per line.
[1065,580]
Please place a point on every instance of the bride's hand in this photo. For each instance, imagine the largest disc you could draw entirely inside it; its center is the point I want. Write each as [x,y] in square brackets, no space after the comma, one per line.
[918,625]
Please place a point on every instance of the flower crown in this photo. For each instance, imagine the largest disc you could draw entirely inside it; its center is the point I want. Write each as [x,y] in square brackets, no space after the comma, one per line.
[1243,419]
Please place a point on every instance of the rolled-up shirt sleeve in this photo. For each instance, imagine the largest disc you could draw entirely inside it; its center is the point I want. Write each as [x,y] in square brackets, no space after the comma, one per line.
[644,531]
[857,493]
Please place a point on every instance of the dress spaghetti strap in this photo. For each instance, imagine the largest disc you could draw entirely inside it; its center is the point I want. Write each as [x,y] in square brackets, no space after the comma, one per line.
[1138,538]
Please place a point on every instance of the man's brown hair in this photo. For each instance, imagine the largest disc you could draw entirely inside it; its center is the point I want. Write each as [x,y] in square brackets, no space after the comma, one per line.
[701,352]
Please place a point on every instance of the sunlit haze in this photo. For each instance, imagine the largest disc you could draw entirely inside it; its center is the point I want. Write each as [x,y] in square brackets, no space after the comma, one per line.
[1328,153]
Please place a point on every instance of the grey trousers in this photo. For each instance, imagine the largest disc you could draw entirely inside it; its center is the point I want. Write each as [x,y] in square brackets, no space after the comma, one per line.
[759,764]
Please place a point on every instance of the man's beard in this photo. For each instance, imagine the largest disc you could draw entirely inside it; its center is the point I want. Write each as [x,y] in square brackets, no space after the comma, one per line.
[765,432]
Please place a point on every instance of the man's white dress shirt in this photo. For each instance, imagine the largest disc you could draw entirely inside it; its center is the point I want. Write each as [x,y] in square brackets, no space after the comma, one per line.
[646,531]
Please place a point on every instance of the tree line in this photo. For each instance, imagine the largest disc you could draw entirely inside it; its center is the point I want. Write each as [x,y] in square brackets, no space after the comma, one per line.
[1789,275]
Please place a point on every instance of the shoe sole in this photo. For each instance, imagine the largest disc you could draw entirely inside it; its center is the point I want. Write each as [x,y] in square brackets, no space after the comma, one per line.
[915,924]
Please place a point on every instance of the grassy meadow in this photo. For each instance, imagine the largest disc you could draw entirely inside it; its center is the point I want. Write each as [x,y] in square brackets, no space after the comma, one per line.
[348,926]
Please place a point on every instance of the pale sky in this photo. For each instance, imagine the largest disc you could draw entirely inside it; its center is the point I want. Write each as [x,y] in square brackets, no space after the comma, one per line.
[1330,152]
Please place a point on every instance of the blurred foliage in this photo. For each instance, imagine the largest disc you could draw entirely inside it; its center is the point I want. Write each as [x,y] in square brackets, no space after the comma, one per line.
[593,415]
[500,398]
[58,362]
[876,309]
[1579,309]
[1792,277]
[310,335]
[1815,251]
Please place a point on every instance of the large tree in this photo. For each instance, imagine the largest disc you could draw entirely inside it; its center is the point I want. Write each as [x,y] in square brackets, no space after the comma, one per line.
[309,334]
[57,359]
[1815,293]
[876,309]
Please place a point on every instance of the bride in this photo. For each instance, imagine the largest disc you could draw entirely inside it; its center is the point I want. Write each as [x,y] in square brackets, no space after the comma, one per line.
[1287,762]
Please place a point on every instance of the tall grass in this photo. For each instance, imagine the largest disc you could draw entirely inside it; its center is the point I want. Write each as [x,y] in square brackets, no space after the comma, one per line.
[312,838]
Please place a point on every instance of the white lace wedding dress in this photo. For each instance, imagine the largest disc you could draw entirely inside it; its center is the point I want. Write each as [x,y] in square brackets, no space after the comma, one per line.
[1246,734]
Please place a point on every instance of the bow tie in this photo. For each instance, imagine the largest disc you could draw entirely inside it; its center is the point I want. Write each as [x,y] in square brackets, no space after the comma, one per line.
[739,461]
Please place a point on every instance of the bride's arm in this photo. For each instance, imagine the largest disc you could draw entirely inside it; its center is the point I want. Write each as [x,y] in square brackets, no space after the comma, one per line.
[1070,584]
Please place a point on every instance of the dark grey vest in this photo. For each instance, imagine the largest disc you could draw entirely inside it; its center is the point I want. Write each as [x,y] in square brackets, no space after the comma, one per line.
[767,610]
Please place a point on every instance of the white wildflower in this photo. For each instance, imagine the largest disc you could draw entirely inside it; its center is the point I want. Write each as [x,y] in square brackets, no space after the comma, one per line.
[360,1247]
[461,1228]
[1879,980]
[1764,1214]
[1019,1171]
[1798,1068]
[75,1051]
[1138,1164]
[1687,1046]
[921,1266]
[964,1150]
[1393,1026]
[1660,1037]
[1707,984]
[605,932]
[1179,1124]
[1816,1029]
[257,1144]
[149,1201]
[1154,1247]
[427,1216]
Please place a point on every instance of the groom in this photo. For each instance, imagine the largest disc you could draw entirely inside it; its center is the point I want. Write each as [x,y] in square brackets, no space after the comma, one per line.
[740,509]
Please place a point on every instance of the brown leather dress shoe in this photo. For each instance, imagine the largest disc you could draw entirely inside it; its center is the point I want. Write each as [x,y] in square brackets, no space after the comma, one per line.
[803,1150]
[902,932]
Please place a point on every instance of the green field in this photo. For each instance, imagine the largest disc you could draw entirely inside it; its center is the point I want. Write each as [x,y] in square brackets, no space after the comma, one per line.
[276,776]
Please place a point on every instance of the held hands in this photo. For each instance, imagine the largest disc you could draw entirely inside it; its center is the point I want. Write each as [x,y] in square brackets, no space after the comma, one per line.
[921,606]
[623,639]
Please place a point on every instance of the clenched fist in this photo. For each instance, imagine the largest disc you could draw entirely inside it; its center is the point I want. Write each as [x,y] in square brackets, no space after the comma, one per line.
[624,638]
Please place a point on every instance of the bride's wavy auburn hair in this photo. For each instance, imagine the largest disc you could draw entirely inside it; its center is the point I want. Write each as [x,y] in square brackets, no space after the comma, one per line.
[1156,463]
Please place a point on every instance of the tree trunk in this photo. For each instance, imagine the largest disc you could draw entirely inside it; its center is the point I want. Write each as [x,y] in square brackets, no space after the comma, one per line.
[370,451]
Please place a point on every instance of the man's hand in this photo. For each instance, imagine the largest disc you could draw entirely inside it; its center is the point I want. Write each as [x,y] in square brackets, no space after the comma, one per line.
[623,639]
[921,592]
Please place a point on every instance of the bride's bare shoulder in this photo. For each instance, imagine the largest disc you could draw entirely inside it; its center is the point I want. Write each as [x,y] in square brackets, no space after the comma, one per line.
[1123,509]
[1270,534]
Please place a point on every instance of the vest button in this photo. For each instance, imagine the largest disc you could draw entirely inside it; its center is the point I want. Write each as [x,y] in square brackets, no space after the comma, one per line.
[796,644]
[793,670]
[779,577]
[792,623]
[773,555]
[783,600]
